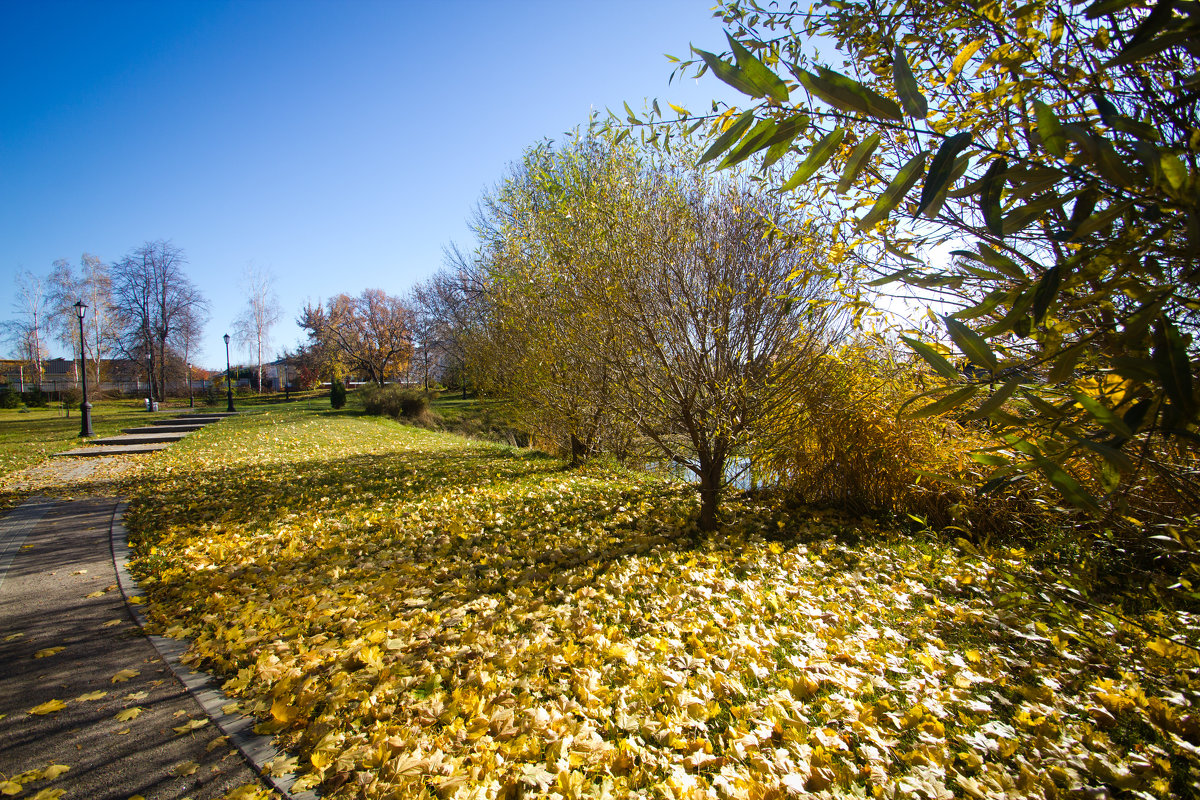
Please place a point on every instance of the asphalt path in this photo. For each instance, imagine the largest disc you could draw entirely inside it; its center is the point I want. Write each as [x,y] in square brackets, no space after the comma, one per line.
[126,725]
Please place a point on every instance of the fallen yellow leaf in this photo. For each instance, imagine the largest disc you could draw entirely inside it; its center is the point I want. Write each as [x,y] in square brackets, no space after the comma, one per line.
[124,675]
[48,707]
[53,771]
[129,714]
[49,651]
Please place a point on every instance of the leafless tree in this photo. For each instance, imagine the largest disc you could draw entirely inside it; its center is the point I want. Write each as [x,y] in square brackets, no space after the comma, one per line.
[29,332]
[453,304]
[252,328]
[154,299]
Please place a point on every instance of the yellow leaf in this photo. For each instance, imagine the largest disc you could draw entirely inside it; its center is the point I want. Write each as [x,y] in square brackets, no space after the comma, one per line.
[962,58]
[112,623]
[129,714]
[83,698]
[48,707]
[49,651]
[284,712]
[137,599]
[94,594]
[184,768]
[53,771]
[10,787]
[190,725]
[124,675]
[49,794]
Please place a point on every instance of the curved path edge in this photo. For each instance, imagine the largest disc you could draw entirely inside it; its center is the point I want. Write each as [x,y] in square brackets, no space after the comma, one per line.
[257,749]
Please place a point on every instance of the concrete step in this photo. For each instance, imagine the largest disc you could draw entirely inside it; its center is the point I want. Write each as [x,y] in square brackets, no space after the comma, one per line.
[165,437]
[189,419]
[114,450]
[182,427]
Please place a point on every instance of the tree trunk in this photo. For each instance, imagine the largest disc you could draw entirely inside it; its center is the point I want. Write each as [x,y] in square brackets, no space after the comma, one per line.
[711,477]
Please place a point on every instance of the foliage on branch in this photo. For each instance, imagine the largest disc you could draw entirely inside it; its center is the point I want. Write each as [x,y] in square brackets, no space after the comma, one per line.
[1057,149]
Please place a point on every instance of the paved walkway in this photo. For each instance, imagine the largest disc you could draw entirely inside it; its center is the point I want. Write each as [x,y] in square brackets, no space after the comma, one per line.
[81,686]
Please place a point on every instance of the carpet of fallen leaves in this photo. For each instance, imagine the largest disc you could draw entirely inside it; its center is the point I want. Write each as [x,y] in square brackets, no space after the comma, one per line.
[414,614]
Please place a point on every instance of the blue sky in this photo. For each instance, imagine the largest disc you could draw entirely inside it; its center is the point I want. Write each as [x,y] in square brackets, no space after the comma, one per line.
[340,145]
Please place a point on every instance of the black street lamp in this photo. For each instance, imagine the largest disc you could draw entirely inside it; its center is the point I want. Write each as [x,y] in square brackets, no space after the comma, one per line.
[85,408]
[228,377]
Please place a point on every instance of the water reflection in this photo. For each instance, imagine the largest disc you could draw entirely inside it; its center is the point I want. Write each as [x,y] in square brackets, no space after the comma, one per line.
[740,473]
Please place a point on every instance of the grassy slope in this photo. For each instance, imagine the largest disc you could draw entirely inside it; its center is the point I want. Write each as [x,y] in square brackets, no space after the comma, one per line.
[29,436]
[414,612]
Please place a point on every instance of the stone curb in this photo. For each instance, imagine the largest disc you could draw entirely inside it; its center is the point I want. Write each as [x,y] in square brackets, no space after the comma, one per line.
[256,748]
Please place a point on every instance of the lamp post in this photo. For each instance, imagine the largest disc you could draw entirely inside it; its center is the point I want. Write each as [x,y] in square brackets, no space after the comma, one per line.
[228,377]
[85,408]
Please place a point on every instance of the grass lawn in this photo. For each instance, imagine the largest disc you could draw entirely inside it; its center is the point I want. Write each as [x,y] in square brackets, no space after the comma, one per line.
[414,614]
[28,436]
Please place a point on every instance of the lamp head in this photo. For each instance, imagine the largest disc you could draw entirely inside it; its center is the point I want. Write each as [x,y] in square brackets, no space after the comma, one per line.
[226,338]
[80,307]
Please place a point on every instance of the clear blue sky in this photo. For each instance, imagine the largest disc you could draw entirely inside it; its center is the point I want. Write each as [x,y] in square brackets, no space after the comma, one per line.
[341,145]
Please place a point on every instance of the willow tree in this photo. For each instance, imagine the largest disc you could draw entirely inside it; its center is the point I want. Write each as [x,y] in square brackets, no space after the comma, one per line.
[540,239]
[1056,148]
[638,302]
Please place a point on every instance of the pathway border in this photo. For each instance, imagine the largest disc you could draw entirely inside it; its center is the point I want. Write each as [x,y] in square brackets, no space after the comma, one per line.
[256,748]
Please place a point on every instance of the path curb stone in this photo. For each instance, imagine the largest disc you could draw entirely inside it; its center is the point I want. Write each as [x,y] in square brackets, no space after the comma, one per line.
[256,748]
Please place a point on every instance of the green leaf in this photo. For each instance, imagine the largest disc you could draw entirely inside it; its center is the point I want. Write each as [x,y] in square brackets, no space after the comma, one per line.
[1067,486]
[970,344]
[941,168]
[821,153]
[1001,262]
[1173,366]
[915,104]
[1064,363]
[905,179]
[1110,454]
[848,95]
[1104,7]
[932,357]
[758,73]
[1100,220]
[989,196]
[947,403]
[1102,414]
[1174,170]
[734,76]
[1050,129]
[779,144]
[750,144]
[993,403]
[731,135]
[858,159]
[1139,51]
[1046,291]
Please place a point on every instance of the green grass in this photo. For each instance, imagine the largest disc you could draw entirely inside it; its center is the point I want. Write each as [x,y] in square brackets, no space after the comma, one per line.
[30,436]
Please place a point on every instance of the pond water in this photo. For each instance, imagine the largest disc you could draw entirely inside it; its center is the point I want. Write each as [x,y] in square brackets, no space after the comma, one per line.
[740,473]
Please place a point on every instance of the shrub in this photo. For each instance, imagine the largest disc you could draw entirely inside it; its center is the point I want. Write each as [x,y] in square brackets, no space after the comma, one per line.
[35,398]
[9,399]
[847,444]
[400,402]
[337,394]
